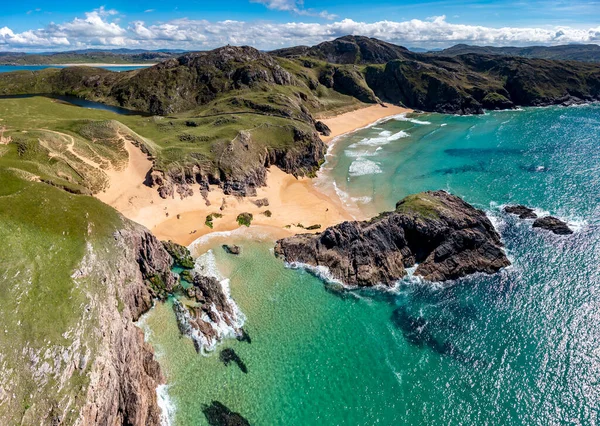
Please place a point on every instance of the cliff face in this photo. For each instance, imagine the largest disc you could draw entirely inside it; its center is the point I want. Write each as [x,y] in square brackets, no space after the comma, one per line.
[124,375]
[444,236]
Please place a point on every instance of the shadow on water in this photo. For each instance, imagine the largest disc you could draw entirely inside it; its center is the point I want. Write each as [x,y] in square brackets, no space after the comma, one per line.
[73,100]
[482,152]
[244,336]
[218,414]
[227,356]
[479,167]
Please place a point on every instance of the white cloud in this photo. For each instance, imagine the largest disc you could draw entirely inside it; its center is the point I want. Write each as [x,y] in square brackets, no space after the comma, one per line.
[100,28]
[294,6]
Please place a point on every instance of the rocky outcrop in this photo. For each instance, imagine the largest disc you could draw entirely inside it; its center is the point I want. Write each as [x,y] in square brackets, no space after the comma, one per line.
[552,224]
[210,314]
[322,128]
[124,373]
[522,211]
[549,223]
[442,235]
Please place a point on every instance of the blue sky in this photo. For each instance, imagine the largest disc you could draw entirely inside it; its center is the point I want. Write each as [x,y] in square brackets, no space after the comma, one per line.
[51,25]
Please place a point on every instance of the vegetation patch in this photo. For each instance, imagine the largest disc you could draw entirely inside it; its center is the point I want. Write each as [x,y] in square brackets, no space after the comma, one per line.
[244,219]
[209,219]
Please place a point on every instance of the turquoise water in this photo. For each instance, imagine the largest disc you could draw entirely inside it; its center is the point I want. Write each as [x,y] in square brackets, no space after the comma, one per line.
[11,68]
[521,347]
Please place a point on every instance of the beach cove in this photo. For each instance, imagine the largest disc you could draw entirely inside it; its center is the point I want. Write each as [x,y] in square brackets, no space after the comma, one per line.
[319,354]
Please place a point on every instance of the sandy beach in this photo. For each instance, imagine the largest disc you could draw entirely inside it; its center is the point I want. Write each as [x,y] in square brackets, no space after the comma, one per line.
[357,119]
[292,202]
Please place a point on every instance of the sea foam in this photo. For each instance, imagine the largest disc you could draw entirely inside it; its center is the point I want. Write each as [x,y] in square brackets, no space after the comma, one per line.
[166,405]
[362,167]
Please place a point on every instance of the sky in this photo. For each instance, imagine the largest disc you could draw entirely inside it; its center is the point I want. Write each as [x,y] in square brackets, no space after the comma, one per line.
[44,25]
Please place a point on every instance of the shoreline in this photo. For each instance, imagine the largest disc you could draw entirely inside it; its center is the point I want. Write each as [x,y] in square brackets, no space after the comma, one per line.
[292,201]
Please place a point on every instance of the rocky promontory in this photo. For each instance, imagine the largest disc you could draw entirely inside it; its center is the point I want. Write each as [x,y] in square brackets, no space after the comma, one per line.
[209,314]
[439,233]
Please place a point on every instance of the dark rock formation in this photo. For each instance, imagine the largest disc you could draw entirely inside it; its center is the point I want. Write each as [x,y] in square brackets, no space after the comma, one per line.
[213,316]
[228,355]
[218,414]
[180,254]
[322,128]
[232,249]
[445,236]
[555,225]
[522,211]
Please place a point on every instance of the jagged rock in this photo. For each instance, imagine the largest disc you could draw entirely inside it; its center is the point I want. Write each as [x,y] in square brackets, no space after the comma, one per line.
[232,249]
[322,128]
[444,235]
[214,314]
[522,211]
[180,254]
[553,224]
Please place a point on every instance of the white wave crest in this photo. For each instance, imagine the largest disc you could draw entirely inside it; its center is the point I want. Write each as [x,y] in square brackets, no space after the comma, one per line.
[362,167]
[166,405]
[403,117]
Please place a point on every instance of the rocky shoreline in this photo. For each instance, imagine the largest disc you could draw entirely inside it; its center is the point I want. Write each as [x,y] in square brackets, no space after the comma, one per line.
[440,234]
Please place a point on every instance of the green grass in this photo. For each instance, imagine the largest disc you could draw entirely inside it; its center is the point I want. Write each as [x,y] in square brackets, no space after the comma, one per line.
[45,234]
[419,205]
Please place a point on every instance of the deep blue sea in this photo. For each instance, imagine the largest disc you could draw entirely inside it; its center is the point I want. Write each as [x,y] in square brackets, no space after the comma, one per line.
[526,341]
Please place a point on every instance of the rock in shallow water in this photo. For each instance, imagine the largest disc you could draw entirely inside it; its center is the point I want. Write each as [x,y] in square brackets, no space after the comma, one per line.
[552,224]
[446,237]
[521,211]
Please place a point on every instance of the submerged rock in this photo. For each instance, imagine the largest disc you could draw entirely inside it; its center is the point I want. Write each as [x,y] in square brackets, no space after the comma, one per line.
[522,211]
[218,414]
[232,249]
[440,233]
[553,224]
[228,355]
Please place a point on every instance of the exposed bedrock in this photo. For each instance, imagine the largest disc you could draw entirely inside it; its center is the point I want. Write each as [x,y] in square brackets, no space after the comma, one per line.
[209,315]
[440,233]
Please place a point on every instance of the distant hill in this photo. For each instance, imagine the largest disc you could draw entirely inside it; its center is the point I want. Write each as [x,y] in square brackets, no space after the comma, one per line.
[349,50]
[570,52]
[117,56]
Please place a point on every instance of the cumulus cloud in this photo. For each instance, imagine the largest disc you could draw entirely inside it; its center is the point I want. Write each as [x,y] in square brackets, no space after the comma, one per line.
[295,6]
[101,28]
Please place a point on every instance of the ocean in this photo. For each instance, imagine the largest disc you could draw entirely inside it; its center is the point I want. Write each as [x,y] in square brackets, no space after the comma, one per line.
[521,347]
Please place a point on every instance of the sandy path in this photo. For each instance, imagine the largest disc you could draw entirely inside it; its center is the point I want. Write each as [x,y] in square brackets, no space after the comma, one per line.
[291,201]
[354,120]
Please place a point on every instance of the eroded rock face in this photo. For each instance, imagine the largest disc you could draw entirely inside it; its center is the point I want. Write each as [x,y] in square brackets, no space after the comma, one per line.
[211,315]
[552,224]
[444,235]
[124,373]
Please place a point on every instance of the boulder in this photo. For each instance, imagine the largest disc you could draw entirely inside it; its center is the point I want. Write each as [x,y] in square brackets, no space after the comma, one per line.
[552,224]
[521,211]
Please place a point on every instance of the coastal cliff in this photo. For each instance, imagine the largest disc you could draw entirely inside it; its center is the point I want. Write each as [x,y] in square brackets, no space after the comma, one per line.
[440,234]
[81,275]
[125,375]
